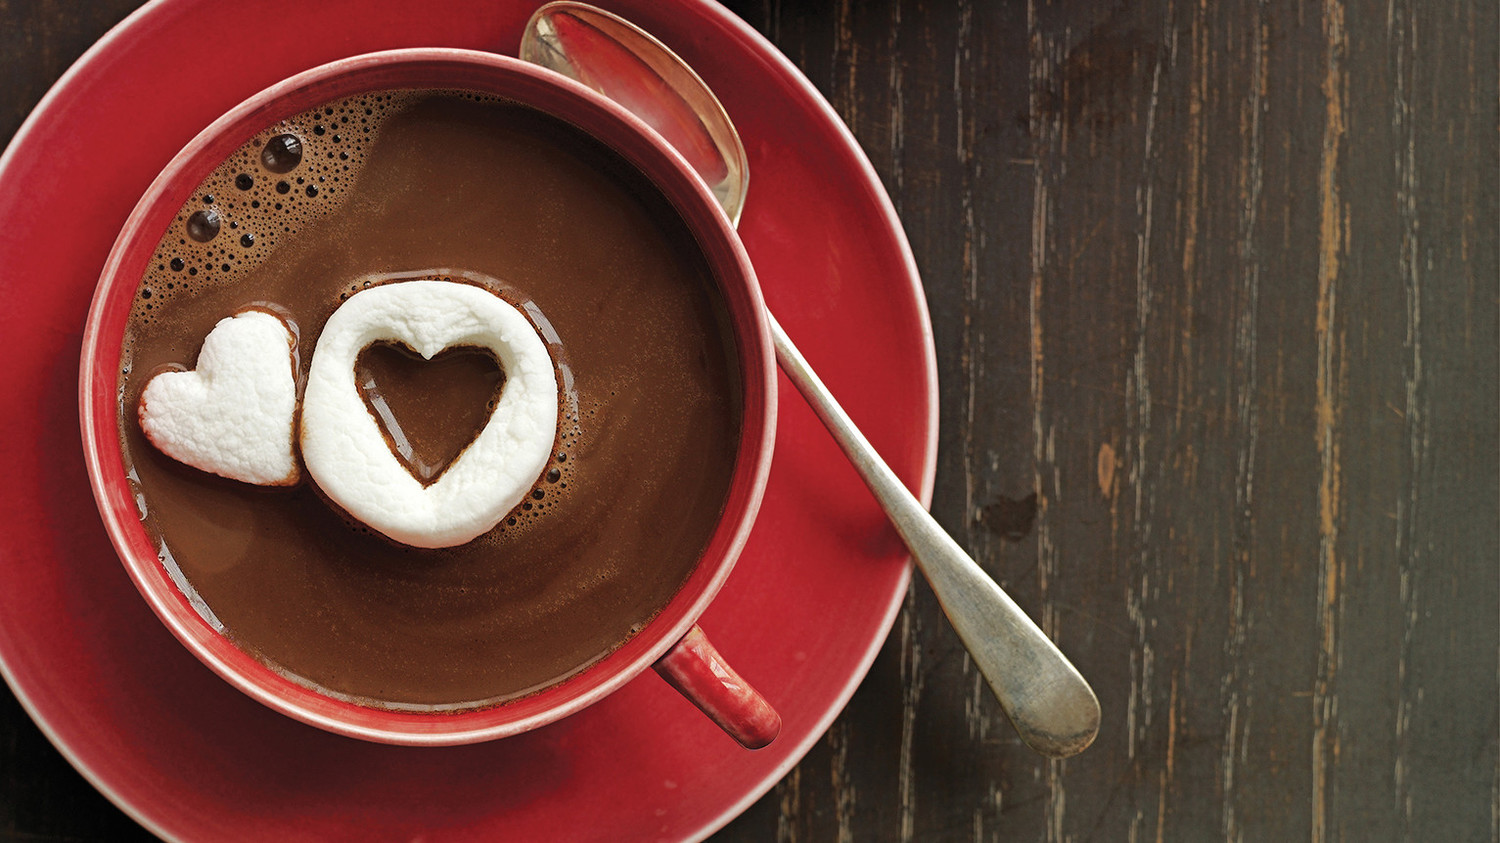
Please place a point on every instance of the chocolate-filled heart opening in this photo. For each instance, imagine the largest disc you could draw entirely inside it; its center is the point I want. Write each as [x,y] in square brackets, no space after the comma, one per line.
[429,410]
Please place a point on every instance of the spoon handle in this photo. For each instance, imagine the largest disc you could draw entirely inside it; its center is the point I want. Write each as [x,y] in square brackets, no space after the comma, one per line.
[1051,705]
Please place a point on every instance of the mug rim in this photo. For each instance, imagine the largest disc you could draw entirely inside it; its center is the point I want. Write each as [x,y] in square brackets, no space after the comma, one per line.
[100,399]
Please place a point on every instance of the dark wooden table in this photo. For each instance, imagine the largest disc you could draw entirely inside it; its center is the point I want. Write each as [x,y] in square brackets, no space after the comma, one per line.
[1214,287]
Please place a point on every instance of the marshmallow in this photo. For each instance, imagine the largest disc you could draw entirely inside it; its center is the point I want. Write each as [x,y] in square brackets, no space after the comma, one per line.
[232,415]
[347,453]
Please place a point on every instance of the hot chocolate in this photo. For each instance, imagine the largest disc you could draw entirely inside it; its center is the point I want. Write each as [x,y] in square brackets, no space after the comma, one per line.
[460,187]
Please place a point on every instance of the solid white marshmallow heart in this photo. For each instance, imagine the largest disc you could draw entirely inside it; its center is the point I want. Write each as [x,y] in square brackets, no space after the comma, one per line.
[233,414]
[347,454]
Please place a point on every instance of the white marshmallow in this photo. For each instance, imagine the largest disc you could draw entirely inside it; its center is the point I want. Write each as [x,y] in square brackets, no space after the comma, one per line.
[348,455]
[233,414]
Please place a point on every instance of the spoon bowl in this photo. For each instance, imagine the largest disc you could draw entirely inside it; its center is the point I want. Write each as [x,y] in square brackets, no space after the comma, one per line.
[625,63]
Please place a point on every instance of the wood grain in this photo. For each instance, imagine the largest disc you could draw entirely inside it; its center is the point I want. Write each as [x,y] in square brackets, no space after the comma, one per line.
[1184,261]
[1214,290]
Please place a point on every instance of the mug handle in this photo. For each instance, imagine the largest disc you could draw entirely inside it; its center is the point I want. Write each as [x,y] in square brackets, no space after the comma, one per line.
[699,673]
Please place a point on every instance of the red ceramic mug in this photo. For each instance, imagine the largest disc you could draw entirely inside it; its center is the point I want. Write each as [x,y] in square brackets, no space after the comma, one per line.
[671,642]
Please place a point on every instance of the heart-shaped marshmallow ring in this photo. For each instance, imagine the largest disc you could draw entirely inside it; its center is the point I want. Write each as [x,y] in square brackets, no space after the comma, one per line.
[347,454]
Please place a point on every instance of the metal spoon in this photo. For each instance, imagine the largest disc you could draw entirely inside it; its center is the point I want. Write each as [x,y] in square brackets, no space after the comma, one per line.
[1051,705]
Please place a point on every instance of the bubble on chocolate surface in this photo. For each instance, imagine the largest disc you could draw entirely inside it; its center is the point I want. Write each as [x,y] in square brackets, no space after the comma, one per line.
[282,153]
[203,226]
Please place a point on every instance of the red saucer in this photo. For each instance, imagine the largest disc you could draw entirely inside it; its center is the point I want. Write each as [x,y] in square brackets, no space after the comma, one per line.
[802,617]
